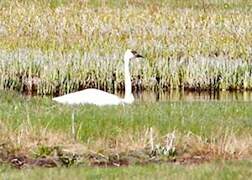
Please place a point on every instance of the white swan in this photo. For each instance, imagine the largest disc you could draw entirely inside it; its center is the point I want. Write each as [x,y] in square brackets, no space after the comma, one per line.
[101,98]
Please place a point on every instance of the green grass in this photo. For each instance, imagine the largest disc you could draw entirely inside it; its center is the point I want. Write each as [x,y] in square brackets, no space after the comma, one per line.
[38,120]
[201,118]
[38,127]
[215,170]
[59,46]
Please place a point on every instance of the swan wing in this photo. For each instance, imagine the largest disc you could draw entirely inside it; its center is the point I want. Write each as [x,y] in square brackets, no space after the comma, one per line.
[90,96]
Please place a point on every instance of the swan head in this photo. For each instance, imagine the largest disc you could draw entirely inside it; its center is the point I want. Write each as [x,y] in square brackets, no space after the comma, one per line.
[131,54]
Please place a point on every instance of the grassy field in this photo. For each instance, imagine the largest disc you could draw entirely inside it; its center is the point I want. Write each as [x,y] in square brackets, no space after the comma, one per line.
[216,170]
[55,47]
[201,118]
[51,47]
[113,136]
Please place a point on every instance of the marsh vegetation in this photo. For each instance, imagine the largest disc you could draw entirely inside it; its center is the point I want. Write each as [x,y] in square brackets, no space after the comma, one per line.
[56,47]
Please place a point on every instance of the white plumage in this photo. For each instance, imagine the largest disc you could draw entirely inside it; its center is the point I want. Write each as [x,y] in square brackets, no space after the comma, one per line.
[89,96]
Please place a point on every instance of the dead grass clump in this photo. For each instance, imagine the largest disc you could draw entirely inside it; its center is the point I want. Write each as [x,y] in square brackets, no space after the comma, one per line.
[37,146]
[27,138]
[148,146]
[225,145]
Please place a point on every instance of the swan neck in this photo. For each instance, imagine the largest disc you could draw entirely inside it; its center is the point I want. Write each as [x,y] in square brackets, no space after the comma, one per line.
[128,91]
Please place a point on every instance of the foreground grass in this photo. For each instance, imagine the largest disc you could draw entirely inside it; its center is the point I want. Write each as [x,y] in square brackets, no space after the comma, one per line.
[201,118]
[215,170]
[185,132]
[61,46]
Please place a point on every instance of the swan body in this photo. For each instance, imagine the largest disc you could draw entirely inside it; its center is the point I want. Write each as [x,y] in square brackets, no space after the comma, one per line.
[91,96]
[102,98]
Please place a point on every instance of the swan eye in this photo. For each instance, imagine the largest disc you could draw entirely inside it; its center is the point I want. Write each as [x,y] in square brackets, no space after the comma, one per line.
[134,52]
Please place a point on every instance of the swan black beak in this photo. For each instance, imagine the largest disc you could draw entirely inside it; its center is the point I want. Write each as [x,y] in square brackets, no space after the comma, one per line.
[136,54]
[139,56]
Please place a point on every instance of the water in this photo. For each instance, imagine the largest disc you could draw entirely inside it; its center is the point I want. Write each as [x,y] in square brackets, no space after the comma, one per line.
[245,96]
[150,96]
